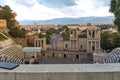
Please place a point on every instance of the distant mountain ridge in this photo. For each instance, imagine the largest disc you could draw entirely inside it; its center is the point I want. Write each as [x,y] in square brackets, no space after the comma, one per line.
[80,20]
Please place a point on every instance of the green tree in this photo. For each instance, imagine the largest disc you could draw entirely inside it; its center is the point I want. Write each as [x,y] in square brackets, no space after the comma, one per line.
[48,33]
[41,35]
[116,40]
[83,34]
[48,39]
[106,41]
[6,13]
[45,36]
[51,31]
[16,32]
[115,9]
[66,35]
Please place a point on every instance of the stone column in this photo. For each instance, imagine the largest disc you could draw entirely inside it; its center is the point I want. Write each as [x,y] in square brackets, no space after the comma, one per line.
[70,44]
[99,45]
[87,45]
[91,34]
[73,45]
[88,36]
[91,45]
[37,43]
[34,43]
[98,33]
[41,44]
[95,34]
[76,45]
[95,46]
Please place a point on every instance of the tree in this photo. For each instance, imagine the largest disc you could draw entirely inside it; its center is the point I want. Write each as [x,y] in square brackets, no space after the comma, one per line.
[116,40]
[41,35]
[6,13]
[106,41]
[48,39]
[66,35]
[51,31]
[115,9]
[83,34]
[16,32]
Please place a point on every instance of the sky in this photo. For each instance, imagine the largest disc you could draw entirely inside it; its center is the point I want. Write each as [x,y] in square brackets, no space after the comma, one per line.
[50,9]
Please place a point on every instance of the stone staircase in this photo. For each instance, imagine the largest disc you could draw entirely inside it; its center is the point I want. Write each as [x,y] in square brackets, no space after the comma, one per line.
[13,54]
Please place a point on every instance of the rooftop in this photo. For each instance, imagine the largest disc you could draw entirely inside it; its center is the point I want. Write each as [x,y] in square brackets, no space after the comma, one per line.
[32,49]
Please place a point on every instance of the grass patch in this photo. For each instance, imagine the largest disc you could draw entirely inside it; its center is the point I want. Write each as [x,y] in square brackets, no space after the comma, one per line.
[2,37]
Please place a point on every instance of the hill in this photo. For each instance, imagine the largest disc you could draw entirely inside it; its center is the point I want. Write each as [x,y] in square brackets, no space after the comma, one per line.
[80,20]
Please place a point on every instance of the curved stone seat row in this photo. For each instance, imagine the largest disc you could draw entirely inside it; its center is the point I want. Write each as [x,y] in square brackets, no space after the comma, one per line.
[12,54]
[113,57]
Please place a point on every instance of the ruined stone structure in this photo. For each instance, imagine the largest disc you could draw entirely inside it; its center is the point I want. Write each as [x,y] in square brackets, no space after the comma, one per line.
[89,44]
[3,26]
[77,47]
[93,39]
[40,43]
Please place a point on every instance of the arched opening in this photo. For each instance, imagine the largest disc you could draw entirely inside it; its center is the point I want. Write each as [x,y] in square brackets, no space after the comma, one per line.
[53,55]
[32,56]
[119,61]
[81,47]
[77,56]
[64,55]
[93,48]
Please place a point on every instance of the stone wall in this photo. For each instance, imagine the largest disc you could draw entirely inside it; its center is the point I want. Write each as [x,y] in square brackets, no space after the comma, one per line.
[99,56]
[6,43]
[63,72]
[72,45]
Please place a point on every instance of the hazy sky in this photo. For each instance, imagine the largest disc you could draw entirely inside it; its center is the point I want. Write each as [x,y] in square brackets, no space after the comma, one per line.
[49,9]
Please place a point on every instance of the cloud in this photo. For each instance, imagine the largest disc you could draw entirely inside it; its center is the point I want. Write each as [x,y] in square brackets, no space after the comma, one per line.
[87,8]
[57,3]
[2,2]
[35,12]
[27,3]
[50,9]
[105,2]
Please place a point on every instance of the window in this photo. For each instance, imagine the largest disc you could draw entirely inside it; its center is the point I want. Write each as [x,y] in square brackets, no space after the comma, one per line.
[66,45]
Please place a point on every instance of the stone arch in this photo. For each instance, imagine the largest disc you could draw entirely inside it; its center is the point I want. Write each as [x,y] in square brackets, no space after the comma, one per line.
[77,56]
[81,47]
[65,55]
[53,55]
